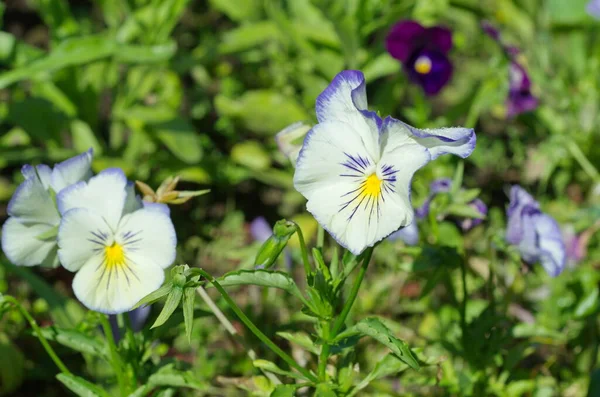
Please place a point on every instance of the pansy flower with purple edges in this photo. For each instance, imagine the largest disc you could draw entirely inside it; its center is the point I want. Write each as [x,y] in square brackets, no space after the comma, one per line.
[536,234]
[593,8]
[520,98]
[29,234]
[117,245]
[444,185]
[355,169]
[423,52]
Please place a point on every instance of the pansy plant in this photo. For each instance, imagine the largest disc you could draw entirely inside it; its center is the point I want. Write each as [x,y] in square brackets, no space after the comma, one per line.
[355,169]
[29,234]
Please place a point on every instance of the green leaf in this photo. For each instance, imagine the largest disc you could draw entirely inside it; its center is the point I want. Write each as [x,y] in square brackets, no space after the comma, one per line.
[325,390]
[169,376]
[302,339]
[588,305]
[154,296]
[81,387]
[180,138]
[189,296]
[76,340]
[237,10]
[381,66]
[173,299]
[594,388]
[464,211]
[12,364]
[272,367]
[84,138]
[251,154]
[146,54]
[263,278]
[248,36]
[374,328]
[284,391]
[390,365]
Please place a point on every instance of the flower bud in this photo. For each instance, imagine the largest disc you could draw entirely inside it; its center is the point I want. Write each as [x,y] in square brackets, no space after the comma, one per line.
[271,249]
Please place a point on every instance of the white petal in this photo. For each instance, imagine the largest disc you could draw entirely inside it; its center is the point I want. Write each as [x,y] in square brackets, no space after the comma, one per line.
[82,234]
[345,95]
[117,289]
[290,139]
[148,235]
[160,207]
[553,253]
[104,194]
[459,141]
[133,202]
[72,170]
[22,247]
[45,174]
[31,202]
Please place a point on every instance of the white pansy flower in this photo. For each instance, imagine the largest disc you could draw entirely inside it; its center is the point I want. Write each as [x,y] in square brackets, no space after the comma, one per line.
[118,246]
[29,234]
[289,140]
[355,169]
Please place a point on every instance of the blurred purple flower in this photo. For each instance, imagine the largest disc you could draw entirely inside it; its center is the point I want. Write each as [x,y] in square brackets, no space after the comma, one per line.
[137,318]
[575,245]
[519,99]
[423,52]
[408,234]
[536,234]
[593,8]
[443,185]
[260,230]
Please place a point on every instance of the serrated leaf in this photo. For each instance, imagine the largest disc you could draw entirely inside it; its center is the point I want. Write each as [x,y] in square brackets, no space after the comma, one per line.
[189,296]
[80,386]
[76,340]
[154,296]
[171,304]
[377,330]
[389,365]
[263,278]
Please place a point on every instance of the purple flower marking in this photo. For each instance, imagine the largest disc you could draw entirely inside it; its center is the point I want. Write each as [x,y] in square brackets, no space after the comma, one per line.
[536,234]
[423,52]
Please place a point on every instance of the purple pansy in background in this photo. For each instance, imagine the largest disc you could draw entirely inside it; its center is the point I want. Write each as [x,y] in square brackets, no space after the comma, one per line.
[443,185]
[593,8]
[575,245]
[519,99]
[423,52]
[137,318]
[408,234]
[536,234]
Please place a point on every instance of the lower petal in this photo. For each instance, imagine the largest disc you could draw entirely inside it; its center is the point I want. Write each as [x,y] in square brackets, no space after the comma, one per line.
[22,247]
[115,289]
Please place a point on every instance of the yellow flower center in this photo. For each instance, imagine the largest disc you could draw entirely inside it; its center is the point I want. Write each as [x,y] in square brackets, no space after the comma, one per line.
[114,256]
[423,65]
[372,186]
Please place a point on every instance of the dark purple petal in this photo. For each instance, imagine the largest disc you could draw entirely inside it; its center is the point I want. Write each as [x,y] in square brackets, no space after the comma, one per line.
[403,39]
[442,185]
[490,30]
[520,98]
[470,223]
[440,38]
[434,79]
[593,8]
[260,230]
[137,317]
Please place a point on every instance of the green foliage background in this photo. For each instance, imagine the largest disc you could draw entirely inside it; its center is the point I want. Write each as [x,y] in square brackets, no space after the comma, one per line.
[200,88]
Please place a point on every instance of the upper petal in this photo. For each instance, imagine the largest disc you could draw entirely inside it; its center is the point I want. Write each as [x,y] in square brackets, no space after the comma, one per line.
[133,202]
[403,38]
[104,194]
[72,170]
[438,141]
[31,202]
[21,245]
[439,38]
[149,236]
[290,139]
[117,289]
[343,97]
[551,245]
[82,234]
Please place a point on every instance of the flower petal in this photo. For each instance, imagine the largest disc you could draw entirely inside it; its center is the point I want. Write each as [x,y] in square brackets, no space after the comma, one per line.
[104,193]
[148,236]
[115,289]
[22,247]
[438,141]
[439,38]
[260,230]
[160,207]
[520,201]
[133,202]
[72,170]
[552,248]
[290,139]
[31,202]
[81,235]
[433,81]
[403,38]
[409,234]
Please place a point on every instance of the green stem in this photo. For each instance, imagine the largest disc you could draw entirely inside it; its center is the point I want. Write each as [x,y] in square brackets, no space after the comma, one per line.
[115,357]
[232,331]
[583,161]
[125,324]
[339,322]
[265,339]
[320,237]
[304,250]
[38,332]
[324,356]
[463,307]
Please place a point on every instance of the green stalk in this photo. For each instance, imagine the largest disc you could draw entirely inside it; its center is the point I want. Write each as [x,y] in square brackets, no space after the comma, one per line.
[265,339]
[320,237]
[324,356]
[583,161]
[304,250]
[339,322]
[125,324]
[114,353]
[38,332]
[463,308]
